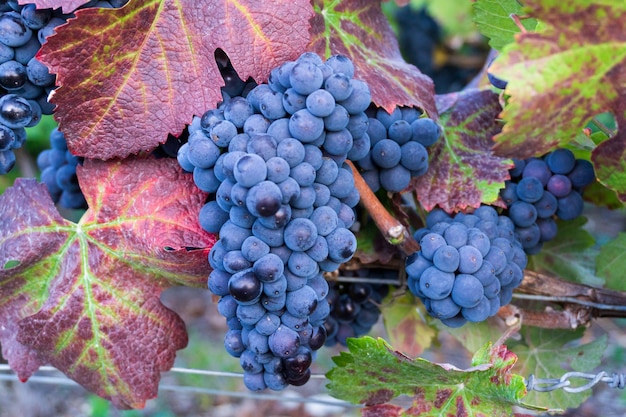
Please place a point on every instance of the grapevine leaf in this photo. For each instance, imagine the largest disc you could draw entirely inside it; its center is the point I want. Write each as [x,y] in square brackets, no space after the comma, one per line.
[609,160]
[372,374]
[130,76]
[406,325]
[361,31]
[493,19]
[601,196]
[562,76]
[611,263]
[463,170]
[85,297]
[543,352]
[474,335]
[583,145]
[571,255]
[66,6]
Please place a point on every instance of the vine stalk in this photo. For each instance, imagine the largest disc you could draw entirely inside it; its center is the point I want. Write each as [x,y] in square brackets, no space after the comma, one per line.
[393,231]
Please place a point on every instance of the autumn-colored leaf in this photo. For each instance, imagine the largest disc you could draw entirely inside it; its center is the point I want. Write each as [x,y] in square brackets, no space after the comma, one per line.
[371,373]
[359,29]
[464,172]
[66,6]
[130,76]
[406,324]
[561,76]
[85,297]
[609,159]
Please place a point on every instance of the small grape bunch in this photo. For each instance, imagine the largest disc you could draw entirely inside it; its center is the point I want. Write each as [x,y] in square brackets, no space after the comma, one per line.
[467,266]
[397,149]
[543,189]
[58,173]
[354,306]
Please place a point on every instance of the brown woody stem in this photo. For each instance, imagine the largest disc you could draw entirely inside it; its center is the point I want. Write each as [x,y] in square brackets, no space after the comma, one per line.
[579,303]
[393,231]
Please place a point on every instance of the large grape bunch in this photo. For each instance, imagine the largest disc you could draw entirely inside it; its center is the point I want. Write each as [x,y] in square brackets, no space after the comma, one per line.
[355,305]
[397,148]
[25,82]
[273,158]
[543,189]
[467,265]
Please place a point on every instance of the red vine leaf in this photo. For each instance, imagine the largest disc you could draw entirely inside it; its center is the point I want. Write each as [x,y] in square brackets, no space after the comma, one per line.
[85,297]
[66,6]
[560,77]
[360,30]
[464,172]
[130,76]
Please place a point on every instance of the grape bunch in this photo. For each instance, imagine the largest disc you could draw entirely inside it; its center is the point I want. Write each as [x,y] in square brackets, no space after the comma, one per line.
[273,158]
[542,189]
[25,82]
[397,147]
[58,172]
[467,266]
[354,306]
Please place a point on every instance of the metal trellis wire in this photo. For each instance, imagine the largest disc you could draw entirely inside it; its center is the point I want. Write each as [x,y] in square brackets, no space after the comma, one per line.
[7,374]
[565,382]
[614,380]
[571,300]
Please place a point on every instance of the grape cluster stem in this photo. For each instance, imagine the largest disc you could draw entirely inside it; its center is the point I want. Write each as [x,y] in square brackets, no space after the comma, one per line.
[393,231]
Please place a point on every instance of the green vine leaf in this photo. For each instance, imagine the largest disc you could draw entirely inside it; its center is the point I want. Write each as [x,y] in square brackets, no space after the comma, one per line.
[85,297]
[361,31]
[371,373]
[545,352]
[463,171]
[130,76]
[601,196]
[562,76]
[571,255]
[493,19]
[473,336]
[611,263]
